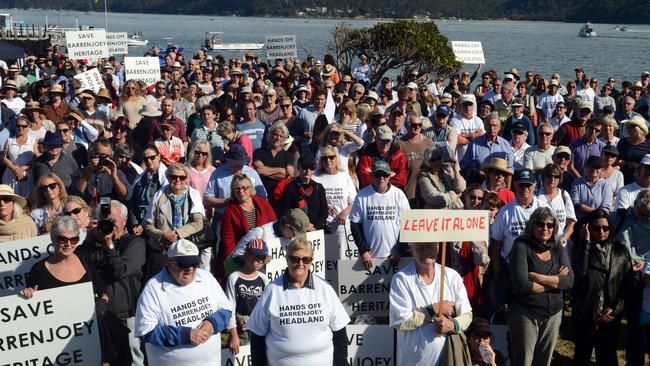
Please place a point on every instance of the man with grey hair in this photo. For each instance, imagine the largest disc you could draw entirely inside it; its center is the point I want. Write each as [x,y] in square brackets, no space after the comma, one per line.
[271,161]
[118,257]
[503,106]
[356,92]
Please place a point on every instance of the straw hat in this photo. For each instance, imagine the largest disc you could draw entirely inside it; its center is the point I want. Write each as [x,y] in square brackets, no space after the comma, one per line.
[9,84]
[373,95]
[329,70]
[6,191]
[32,106]
[346,79]
[102,95]
[637,85]
[236,72]
[639,122]
[498,164]
[56,89]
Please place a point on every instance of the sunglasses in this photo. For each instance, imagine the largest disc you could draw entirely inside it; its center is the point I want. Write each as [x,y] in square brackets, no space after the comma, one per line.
[200,153]
[285,105]
[380,175]
[309,167]
[596,130]
[564,156]
[4,200]
[186,266]
[50,186]
[603,228]
[415,125]
[181,178]
[244,189]
[545,133]
[119,128]
[294,259]
[147,158]
[553,176]
[74,211]
[65,240]
[331,157]
[22,126]
[547,225]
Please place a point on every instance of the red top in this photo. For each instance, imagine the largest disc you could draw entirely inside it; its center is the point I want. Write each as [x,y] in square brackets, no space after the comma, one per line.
[395,158]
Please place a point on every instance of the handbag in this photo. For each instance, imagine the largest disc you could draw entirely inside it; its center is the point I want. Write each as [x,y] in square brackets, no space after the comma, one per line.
[205,237]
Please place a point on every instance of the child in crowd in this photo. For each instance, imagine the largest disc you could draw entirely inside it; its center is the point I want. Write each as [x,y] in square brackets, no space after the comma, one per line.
[492,203]
[243,289]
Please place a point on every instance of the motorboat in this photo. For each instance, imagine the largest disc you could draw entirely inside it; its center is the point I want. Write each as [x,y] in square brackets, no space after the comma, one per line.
[619,28]
[136,39]
[214,41]
[587,31]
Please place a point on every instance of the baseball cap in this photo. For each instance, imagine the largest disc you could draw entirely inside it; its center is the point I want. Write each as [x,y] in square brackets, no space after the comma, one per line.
[185,253]
[562,150]
[384,133]
[446,98]
[524,176]
[519,126]
[297,219]
[412,86]
[257,247]
[611,150]
[553,83]
[443,110]
[467,98]
[380,166]
[517,103]
[646,159]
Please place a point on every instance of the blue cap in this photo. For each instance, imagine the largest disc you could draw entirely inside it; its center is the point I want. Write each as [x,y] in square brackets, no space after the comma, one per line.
[443,110]
[257,247]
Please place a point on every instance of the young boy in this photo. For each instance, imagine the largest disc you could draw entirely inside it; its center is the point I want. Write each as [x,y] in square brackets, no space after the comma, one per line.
[243,289]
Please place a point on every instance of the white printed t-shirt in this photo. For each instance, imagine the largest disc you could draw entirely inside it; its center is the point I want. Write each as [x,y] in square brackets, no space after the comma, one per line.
[510,223]
[164,302]
[464,126]
[422,346]
[297,323]
[379,215]
[340,192]
[562,208]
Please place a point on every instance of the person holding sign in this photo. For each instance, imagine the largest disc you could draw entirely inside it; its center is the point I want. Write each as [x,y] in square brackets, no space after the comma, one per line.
[299,320]
[422,329]
[180,310]
[375,217]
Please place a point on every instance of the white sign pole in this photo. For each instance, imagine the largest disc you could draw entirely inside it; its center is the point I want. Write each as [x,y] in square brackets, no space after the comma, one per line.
[87,44]
[468,52]
[281,46]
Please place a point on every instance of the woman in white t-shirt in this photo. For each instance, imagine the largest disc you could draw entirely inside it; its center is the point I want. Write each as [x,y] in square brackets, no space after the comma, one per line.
[340,192]
[559,200]
[11,99]
[299,320]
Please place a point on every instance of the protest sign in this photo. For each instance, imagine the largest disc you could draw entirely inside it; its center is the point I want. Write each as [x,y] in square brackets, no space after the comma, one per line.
[145,69]
[16,260]
[428,226]
[243,358]
[118,43]
[55,327]
[335,251]
[277,250]
[366,291]
[468,52]
[86,44]
[370,345]
[91,79]
[282,46]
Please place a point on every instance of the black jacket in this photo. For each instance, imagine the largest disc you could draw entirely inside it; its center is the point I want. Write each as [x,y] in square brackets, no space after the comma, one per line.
[120,269]
[316,204]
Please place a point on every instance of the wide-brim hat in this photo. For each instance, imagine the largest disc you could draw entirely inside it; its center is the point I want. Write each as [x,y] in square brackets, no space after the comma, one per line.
[56,89]
[32,106]
[497,164]
[14,68]
[236,72]
[177,65]
[7,191]
[150,110]
[53,139]
[329,70]
[637,121]
[514,72]
[278,72]
[637,85]
[73,114]
[346,79]
[9,84]
[102,95]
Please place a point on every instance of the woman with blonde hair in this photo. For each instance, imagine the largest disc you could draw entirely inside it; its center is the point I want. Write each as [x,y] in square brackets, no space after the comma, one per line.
[343,140]
[348,116]
[131,103]
[14,224]
[50,197]
[200,165]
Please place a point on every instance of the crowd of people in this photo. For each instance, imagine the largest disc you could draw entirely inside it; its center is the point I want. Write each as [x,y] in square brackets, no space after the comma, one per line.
[162,195]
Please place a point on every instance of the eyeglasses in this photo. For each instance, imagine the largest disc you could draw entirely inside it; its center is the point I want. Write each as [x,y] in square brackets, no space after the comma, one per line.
[147,158]
[4,200]
[176,89]
[294,259]
[181,178]
[65,240]
[547,225]
[64,130]
[285,105]
[118,129]
[603,228]
[51,186]
[415,125]
[87,98]
[201,153]
[308,167]
[242,189]
[22,126]
[330,157]
[74,211]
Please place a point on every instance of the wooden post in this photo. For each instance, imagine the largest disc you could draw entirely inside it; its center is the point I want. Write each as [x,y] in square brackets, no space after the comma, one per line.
[443,260]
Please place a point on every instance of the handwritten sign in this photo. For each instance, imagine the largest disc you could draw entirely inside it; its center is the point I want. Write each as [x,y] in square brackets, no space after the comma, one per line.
[430,226]
[16,260]
[366,291]
[49,328]
[370,345]
[91,79]
[282,46]
[145,69]
[118,43]
[468,52]
[278,252]
[87,44]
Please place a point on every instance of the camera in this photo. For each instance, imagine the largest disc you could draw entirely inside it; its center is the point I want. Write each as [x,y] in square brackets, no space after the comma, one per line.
[105,225]
[103,160]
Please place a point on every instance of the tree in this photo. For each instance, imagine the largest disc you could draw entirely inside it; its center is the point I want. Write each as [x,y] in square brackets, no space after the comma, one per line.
[400,44]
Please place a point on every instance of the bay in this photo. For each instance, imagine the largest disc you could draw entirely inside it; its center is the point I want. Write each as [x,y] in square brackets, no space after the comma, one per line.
[544,47]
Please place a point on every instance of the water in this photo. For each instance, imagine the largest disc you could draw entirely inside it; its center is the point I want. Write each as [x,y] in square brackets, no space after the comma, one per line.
[544,47]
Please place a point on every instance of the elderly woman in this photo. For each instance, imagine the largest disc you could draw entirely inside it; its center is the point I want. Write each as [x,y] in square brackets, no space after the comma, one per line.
[131,103]
[76,207]
[50,197]
[414,302]
[38,126]
[231,136]
[540,272]
[281,337]
[19,152]
[175,212]
[244,211]
[145,186]
[558,199]
[340,192]
[440,185]
[346,142]
[602,266]
[608,135]
[200,165]
[633,147]
[14,224]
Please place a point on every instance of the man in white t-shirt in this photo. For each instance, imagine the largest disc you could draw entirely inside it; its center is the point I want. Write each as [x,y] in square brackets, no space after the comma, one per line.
[626,195]
[511,219]
[181,311]
[546,103]
[375,217]
[467,124]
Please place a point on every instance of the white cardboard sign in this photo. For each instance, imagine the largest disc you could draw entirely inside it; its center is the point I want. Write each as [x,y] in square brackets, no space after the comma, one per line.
[55,327]
[243,358]
[118,43]
[370,345]
[91,79]
[16,260]
[431,226]
[277,251]
[468,52]
[145,69]
[281,46]
[87,44]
